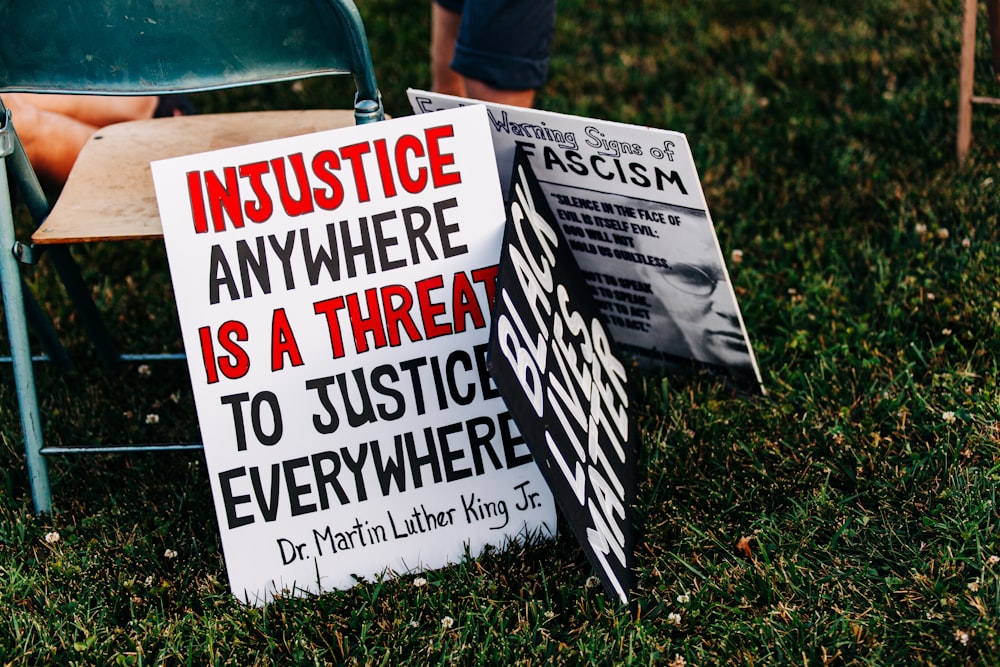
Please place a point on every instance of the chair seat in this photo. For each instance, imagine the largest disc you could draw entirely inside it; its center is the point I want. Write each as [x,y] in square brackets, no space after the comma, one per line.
[109,194]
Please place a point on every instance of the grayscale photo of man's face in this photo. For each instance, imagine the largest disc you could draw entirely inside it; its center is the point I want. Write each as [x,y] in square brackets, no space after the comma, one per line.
[693,297]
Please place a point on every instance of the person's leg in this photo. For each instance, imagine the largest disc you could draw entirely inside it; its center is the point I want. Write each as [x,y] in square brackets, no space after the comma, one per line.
[481,91]
[444,32]
[54,128]
[503,48]
[51,140]
[96,110]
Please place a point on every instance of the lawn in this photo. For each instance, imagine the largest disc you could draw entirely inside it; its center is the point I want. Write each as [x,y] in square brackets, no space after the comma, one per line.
[847,518]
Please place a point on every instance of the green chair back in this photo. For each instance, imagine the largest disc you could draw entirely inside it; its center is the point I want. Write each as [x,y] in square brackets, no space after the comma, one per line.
[144,47]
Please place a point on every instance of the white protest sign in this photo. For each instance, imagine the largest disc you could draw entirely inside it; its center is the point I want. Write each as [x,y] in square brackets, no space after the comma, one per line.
[334,297]
[630,203]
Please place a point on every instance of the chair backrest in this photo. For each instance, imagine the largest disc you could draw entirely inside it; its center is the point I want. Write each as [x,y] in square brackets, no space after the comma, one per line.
[142,47]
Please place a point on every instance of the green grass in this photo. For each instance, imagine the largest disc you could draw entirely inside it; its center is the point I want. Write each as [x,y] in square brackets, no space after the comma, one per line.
[848,518]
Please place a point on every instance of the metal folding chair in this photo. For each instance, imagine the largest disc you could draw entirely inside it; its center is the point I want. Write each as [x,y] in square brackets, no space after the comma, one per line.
[144,47]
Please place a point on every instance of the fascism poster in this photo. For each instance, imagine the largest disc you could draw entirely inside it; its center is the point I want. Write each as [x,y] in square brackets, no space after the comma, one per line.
[630,204]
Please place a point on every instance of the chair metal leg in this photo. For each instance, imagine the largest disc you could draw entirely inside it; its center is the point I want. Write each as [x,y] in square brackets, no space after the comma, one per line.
[86,310]
[17,330]
[41,325]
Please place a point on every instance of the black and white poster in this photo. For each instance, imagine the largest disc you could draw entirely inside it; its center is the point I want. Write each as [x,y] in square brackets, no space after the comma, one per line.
[630,204]
[565,384]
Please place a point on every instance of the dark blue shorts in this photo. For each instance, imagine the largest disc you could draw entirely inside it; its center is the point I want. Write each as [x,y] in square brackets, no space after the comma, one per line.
[504,43]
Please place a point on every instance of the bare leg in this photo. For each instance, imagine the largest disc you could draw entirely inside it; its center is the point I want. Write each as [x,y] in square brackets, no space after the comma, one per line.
[51,140]
[444,32]
[54,128]
[96,110]
[481,91]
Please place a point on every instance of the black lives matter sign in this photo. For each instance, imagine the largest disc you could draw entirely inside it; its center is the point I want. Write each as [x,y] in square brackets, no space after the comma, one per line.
[568,390]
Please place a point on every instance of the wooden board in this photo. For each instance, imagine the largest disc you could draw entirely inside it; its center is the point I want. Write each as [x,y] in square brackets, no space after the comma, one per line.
[109,194]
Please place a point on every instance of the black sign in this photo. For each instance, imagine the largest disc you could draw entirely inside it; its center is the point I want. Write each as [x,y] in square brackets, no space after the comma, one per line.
[568,390]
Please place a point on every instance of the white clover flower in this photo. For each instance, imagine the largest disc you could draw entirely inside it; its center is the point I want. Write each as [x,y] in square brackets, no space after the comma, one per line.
[148,581]
[145,370]
[966,242]
[419,582]
[152,418]
[943,233]
[683,598]
[962,637]
[973,586]
[946,332]
[549,615]
[52,537]
[948,416]
[993,560]
[678,661]
[674,618]
[592,581]
[737,256]
[170,553]
[447,622]
[920,228]
[414,624]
